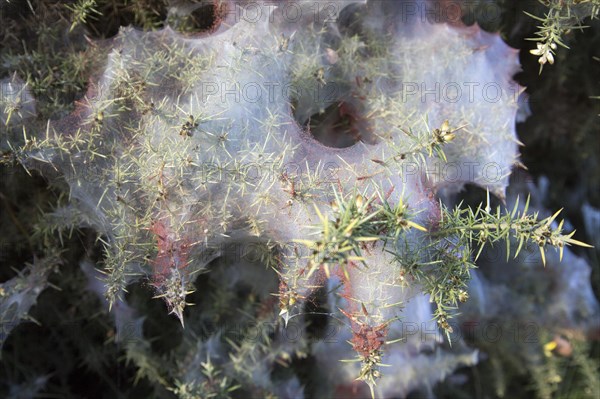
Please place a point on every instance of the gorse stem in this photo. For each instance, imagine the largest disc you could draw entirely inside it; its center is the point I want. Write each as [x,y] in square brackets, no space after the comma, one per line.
[482,226]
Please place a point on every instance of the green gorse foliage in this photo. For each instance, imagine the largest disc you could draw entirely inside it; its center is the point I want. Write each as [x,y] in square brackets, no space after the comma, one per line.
[560,19]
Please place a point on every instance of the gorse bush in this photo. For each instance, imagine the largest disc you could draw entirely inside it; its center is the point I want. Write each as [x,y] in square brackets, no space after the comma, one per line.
[560,19]
[270,164]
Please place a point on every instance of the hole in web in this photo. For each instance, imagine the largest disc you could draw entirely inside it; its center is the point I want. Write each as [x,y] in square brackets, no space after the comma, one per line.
[340,125]
[205,18]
